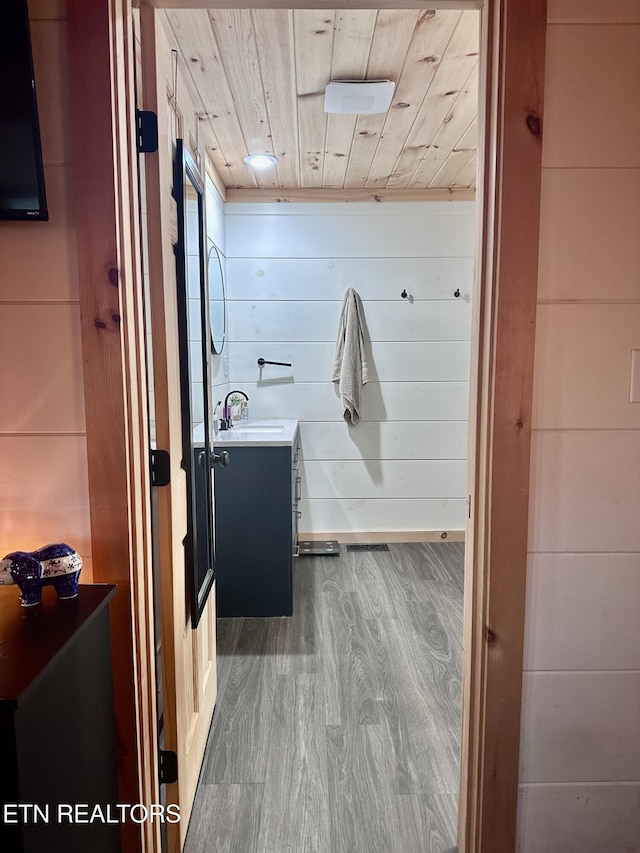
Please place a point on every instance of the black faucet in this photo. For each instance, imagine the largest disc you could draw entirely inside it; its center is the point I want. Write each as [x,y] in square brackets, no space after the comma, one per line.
[226,423]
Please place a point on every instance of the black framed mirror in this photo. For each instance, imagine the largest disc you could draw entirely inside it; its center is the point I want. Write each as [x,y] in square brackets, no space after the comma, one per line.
[217,299]
[194,353]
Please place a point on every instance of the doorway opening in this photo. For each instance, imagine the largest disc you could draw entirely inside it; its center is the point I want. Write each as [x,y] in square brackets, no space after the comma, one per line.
[478,440]
[398,226]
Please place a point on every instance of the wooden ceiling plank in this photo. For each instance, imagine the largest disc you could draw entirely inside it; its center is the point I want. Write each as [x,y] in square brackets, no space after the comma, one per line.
[313,39]
[391,39]
[426,50]
[215,161]
[351,48]
[198,54]
[429,173]
[458,121]
[470,136]
[233,32]
[467,175]
[227,174]
[454,72]
[274,40]
[319,194]
[217,181]
[316,4]
[453,165]
[187,84]
[433,160]
[217,158]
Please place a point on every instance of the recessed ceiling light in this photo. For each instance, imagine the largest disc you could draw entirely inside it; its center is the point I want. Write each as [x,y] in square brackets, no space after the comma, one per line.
[260,161]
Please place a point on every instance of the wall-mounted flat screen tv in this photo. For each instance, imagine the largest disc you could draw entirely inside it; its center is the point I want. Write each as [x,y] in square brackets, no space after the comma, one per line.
[22,193]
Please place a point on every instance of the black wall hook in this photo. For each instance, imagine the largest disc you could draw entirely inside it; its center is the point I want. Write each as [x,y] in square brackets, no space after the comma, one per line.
[404,294]
[457,292]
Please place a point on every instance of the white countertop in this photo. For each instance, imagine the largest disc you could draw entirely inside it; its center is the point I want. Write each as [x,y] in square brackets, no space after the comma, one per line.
[255,433]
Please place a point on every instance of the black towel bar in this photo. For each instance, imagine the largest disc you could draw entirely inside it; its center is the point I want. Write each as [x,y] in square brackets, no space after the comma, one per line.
[261,362]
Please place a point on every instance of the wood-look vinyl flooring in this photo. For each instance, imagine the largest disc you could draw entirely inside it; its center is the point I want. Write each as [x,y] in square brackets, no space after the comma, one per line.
[338,730]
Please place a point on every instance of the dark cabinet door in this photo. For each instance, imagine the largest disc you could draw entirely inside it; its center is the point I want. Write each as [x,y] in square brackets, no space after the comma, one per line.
[255,533]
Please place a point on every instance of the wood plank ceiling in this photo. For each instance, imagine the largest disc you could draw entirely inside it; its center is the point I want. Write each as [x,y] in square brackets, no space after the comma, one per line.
[259,78]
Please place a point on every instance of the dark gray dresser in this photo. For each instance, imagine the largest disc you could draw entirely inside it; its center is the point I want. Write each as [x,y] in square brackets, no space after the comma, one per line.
[57,731]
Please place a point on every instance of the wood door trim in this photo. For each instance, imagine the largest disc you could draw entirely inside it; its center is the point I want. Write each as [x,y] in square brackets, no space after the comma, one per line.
[513,36]
[113,353]
[349,195]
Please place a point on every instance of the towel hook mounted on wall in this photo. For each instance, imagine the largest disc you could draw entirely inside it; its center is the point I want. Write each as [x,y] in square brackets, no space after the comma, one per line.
[404,294]
[457,292]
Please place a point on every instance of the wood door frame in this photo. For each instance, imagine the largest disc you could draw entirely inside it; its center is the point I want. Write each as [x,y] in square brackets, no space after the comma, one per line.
[108,232]
[513,38]
[102,101]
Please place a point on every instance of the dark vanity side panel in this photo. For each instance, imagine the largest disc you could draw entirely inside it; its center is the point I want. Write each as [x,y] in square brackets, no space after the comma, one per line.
[253,532]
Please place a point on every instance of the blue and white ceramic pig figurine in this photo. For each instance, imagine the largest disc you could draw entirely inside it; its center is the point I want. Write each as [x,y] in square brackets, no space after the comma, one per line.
[56,565]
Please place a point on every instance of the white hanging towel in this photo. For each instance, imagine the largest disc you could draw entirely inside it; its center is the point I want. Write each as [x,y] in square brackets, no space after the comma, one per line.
[350,364]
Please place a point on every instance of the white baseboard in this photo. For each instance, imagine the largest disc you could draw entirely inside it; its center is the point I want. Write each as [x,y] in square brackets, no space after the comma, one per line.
[374,536]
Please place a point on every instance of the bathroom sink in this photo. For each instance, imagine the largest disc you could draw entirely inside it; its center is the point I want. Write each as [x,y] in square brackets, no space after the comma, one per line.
[266,433]
[258,428]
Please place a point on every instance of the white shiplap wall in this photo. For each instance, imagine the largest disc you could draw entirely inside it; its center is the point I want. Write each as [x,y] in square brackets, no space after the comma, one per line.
[580,751]
[404,466]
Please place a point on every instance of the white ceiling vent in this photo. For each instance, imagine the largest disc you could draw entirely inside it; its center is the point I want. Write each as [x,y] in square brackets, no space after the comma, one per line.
[358,97]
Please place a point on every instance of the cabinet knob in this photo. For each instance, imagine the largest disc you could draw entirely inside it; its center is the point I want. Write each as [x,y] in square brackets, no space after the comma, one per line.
[221,458]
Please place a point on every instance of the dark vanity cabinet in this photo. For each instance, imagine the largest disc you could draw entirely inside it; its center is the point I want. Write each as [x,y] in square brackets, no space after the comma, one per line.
[256,535]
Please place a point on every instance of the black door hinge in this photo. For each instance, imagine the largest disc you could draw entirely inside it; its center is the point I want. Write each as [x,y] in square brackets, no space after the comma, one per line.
[168,767]
[147,131]
[160,467]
